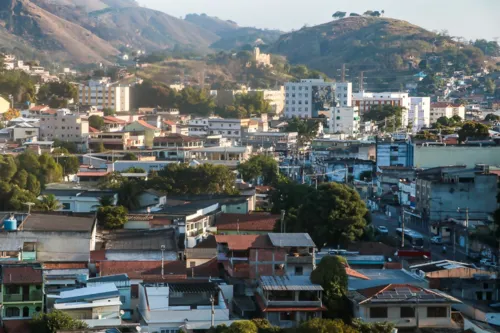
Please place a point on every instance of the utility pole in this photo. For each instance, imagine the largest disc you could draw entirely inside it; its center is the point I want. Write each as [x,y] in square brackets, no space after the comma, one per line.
[403,229]
[212,317]
[162,260]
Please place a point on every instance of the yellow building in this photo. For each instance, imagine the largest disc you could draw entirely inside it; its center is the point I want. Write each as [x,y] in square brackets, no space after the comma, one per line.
[4,105]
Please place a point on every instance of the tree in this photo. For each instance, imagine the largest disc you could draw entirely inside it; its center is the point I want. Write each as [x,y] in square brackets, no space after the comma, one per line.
[108,112]
[388,117]
[97,147]
[334,214]
[492,117]
[259,166]
[96,122]
[426,135]
[423,65]
[354,14]
[49,203]
[472,130]
[8,167]
[306,129]
[381,327]
[320,325]
[243,326]
[331,275]
[134,170]
[70,164]
[112,217]
[57,94]
[130,157]
[11,114]
[339,15]
[106,201]
[54,322]
[368,13]
[490,86]
[129,193]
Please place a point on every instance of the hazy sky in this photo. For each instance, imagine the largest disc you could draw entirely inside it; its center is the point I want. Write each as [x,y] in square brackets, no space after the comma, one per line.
[466,18]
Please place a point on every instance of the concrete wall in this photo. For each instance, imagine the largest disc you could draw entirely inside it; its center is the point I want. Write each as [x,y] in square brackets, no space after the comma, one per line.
[435,156]
[393,316]
[56,246]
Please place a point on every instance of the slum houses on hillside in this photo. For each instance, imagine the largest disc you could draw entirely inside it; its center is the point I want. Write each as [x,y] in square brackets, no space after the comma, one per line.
[218,261]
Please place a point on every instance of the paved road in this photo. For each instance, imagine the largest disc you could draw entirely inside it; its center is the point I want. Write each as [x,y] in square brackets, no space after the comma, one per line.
[392,223]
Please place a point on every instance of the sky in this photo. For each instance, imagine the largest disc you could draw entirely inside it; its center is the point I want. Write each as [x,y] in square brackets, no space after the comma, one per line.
[471,19]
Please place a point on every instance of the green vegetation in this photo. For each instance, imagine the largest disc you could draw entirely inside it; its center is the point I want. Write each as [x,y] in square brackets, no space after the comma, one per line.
[260,166]
[307,129]
[55,321]
[56,94]
[492,117]
[49,203]
[112,217]
[18,84]
[472,130]
[387,117]
[332,215]
[129,157]
[96,122]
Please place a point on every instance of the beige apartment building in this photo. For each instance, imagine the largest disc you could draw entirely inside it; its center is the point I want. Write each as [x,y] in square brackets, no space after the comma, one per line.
[444,109]
[276,98]
[65,126]
[103,94]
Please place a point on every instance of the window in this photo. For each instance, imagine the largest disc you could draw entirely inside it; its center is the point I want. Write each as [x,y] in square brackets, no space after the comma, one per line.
[13,290]
[12,312]
[122,299]
[299,270]
[407,312]
[66,206]
[287,316]
[436,311]
[26,312]
[378,312]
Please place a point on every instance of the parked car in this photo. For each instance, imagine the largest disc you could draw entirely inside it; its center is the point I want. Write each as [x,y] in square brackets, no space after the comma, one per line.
[383,230]
[436,240]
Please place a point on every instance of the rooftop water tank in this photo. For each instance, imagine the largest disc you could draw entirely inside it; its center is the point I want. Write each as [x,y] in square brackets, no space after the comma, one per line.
[10,224]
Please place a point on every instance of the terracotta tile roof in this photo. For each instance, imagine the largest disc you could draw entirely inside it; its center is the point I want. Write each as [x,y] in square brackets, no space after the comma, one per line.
[113,120]
[246,222]
[145,270]
[39,108]
[208,269]
[21,275]
[93,130]
[353,273]
[145,124]
[263,189]
[370,292]
[169,122]
[440,105]
[207,243]
[65,265]
[244,242]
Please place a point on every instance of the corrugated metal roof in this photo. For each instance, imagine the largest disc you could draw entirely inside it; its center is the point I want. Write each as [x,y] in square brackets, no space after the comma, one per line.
[291,239]
[288,283]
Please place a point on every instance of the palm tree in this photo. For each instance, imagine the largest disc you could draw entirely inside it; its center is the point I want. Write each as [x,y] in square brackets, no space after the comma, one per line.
[49,203]
[128,194]
[106,201]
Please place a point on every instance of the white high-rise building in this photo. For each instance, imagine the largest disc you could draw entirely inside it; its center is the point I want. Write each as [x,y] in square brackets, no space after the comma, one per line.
[419,114]
[344,120]
[309,97]
[103,94]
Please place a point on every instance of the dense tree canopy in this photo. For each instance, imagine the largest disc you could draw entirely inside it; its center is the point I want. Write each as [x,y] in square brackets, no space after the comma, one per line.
[492,117]
[96,122]
[387,117]
[474,131]
[112,217]
[57,94]
[307,129]
[262,166]
[55,321]
[18,84]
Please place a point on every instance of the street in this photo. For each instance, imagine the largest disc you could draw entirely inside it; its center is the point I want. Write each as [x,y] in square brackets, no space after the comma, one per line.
[391,223]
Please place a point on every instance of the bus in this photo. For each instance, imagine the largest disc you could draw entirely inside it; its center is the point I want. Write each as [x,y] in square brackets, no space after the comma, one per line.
[412,238]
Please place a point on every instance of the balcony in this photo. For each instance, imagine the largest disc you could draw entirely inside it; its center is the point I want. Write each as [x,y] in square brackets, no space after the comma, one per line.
[34,296]
[290,303]
[291,259]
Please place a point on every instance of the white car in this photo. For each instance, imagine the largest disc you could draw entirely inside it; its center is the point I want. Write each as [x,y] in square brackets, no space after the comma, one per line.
[383,230]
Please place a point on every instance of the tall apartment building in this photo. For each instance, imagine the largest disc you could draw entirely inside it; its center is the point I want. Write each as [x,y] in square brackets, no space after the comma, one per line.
[65,126]
[445,109]
[419,114]
[366,100]
[104,94]
[344,120]
[305,99]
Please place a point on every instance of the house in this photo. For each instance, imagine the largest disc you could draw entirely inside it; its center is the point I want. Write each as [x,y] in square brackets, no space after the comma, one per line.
[176,146]
[47,237]
[286,301]
[97,306]
[140,126]
[113,124]
[153,244]
[4,105]
[59,276]
[20,132]
[80,200]
[65,126]
[122,283]
[278,141]
[405,306]
[152,200]
[252,256]
[245,224]
[166,307]
[22,291]
[147,221]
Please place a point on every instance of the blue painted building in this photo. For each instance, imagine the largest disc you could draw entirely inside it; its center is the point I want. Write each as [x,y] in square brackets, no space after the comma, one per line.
[122,283]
